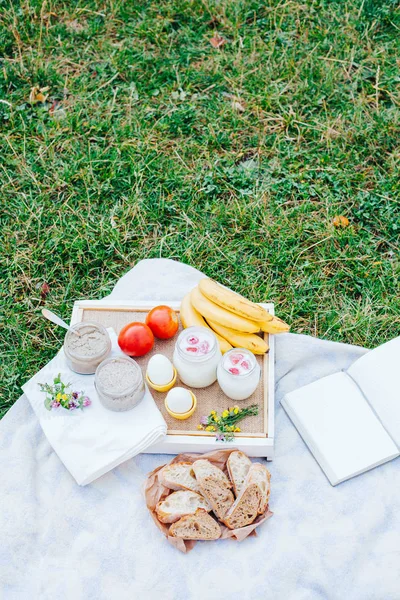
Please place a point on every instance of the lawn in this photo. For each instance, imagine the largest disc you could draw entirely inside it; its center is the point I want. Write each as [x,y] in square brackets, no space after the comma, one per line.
[258,141]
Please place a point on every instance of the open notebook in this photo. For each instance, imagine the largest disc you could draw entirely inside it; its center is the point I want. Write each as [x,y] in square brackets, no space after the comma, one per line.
[351,420]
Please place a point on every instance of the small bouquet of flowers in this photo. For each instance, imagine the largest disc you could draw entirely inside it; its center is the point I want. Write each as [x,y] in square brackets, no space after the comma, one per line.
[225,425]
[58,394]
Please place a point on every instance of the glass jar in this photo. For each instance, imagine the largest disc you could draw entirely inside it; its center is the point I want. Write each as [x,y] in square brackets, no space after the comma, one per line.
[85,346]
[196,357]
[238,373]
[119,383]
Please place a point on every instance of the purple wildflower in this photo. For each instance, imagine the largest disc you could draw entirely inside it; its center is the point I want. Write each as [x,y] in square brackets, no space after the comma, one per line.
[204,420]
[75,395]
[220,437]
[73,404]
[55,404]
[87,401]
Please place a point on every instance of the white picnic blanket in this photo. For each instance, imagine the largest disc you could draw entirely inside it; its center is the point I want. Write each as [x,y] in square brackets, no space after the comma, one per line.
[98,542]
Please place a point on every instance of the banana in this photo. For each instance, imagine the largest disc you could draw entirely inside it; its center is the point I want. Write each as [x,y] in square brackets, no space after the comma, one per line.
[233,302]
[250,341]
[276,325]
[190,317]
[220,315]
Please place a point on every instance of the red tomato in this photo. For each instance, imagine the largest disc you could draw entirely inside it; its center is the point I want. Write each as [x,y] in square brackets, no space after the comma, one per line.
[136,339]
[163,321]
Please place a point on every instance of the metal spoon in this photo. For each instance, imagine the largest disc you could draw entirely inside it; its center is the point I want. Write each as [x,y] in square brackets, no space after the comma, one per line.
[56,320]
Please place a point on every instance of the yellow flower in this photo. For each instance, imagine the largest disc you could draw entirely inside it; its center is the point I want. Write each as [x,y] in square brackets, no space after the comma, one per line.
[199,427]
[237,430]
[210,428]
[213,412]
[236,410]
[215,418]
[231,408]
[225,414]
[58,397]
[64,397]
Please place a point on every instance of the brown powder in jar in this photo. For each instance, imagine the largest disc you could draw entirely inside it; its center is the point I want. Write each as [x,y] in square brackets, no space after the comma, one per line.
[118,375]
[115,377]
[91,342]
[85,352]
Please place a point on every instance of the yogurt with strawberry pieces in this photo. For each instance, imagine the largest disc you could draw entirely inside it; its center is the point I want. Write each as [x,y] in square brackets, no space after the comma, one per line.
[196,357]
[238,373]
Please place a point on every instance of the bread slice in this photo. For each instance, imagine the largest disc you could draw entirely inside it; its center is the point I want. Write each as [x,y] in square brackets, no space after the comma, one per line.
[179,476]
[238,466]
[214,485]
[220,498]
[245,508]
[178,504]
[199,526]
[260,475]
[204,468]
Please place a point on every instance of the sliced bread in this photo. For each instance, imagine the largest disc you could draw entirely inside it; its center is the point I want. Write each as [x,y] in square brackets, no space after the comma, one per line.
[245,508]
[238,466]
[215,486]
[260,475]
[178,504]
[179,476]
[219,497]
[199,526]
[204,468]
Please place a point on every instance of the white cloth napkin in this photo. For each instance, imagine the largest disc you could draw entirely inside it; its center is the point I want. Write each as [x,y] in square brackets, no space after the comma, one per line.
[92,441]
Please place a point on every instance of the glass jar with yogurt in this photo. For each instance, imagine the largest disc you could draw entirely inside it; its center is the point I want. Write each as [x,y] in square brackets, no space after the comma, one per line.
[196,357]
[238,373]
[85,346]
[119,383]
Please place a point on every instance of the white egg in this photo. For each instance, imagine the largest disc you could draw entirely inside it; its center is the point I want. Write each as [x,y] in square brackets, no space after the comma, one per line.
[160,370]
[179,400]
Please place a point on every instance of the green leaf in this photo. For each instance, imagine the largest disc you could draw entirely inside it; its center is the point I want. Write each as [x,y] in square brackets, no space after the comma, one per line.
[48,402]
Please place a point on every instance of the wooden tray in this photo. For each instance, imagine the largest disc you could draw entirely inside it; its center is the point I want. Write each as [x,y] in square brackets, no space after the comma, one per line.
[256,438]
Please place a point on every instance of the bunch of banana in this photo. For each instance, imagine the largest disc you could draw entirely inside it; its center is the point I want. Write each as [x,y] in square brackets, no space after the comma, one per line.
[234,319]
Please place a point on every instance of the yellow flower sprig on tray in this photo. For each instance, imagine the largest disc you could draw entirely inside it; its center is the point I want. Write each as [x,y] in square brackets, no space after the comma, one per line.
[225,425]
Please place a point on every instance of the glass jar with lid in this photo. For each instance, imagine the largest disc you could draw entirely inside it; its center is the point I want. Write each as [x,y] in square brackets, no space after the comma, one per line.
[86,344]
[119,383]
[238,373]
[196,357]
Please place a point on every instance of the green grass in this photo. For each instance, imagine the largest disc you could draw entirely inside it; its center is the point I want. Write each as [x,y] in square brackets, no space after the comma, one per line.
[150,154]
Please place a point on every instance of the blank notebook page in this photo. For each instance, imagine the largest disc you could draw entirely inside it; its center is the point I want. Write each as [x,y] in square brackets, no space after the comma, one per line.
[378,375]
[339,427]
